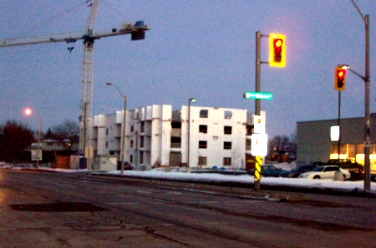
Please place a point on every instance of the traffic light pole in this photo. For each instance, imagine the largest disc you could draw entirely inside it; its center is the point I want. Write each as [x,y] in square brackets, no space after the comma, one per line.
[258,63]
[257,175]
[367,145]
[339,126]
[258,72]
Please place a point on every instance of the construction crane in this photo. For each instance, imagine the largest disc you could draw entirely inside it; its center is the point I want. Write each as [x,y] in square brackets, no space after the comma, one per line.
[137,31]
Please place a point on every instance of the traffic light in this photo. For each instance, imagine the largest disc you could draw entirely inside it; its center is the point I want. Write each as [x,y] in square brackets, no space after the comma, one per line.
[339,78]
[277,50]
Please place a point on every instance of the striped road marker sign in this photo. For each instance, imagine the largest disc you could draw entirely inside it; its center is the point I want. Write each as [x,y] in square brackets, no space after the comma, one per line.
[258,168]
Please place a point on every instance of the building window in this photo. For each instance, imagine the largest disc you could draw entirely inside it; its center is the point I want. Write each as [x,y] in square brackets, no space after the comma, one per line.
[141,157]
[226,161]
[131,143]
[202,144]
[228,114]
[227,145]
[132,128]
[142,126]
[248,143]
[131,158]
[106,144]
[142,141]
[203,129]
[175,142]
[202,160]
[107,132]
[204,113]
[228,130]
[250,130]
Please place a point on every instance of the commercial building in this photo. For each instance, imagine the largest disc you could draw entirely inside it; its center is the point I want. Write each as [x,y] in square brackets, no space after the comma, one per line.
[314,140]
[157,136]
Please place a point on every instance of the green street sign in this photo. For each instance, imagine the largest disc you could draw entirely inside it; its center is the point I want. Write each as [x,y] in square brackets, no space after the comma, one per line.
[258,95]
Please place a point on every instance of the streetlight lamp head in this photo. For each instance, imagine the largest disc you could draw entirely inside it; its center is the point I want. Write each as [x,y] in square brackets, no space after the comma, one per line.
[28,111]
[192,99]
[344,66]
[109,84]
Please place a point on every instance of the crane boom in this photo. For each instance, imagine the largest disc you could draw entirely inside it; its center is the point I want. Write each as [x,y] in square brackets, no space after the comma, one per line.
[127,28]
[137,31]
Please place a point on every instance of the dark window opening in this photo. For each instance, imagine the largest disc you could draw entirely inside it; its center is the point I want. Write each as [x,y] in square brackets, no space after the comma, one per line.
[203,129]
[204,113]
[227,145]
[202,160]
[202,144]
[227,161]
[228,130]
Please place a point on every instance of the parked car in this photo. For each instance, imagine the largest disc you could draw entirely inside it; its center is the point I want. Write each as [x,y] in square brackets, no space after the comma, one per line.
[326,172]
[127,165]
[373,177]
[268,170]
[299,169]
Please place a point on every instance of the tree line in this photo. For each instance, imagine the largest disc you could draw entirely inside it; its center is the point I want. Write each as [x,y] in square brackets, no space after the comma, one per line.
[16,137]
[282,148]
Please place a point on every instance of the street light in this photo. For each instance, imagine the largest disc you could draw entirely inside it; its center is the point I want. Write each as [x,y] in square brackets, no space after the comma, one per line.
[366,79]
[367,142]
[122,153]
[29,112]
[189,127]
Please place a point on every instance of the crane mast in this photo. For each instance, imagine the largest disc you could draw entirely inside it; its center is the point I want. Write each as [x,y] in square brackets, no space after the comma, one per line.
[87,81]
[137,31]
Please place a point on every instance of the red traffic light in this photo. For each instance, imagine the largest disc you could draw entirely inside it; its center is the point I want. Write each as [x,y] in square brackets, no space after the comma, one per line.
[277,50]
[278,43]
[341,73]
[340,78]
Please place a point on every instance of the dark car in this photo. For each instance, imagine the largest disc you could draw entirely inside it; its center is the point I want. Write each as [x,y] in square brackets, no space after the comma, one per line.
[295,172]
[268,170]
[373,177]
[127,165]
[352,167]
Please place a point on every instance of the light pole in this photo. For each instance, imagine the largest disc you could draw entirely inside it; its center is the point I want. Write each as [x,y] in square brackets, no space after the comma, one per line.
[122,153]
[367,142]
[367,117]
[189,128]
[38,156]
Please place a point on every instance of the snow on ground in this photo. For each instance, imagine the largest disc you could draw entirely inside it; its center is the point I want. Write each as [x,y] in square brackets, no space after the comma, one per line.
[206,177]
[215,177]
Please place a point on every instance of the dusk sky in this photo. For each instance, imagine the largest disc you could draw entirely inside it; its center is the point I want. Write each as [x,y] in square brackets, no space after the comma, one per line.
[203,49]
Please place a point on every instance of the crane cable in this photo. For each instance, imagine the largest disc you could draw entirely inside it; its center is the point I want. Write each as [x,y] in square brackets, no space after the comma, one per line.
[57,16]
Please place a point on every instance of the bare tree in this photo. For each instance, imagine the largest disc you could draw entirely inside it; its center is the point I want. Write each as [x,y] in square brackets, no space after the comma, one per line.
[280,145]
[67,131]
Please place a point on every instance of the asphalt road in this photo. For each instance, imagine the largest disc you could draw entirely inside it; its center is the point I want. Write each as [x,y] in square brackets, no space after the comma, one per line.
[41,209]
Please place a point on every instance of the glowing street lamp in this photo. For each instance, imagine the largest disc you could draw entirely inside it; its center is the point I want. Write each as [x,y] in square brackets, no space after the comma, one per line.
[38,157]
[122,155]
[189,127]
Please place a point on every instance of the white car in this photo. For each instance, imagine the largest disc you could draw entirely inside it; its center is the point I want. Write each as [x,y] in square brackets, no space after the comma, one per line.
[325,172]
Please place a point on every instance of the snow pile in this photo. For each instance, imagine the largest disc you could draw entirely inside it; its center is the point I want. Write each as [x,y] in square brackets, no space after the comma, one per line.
[219,178]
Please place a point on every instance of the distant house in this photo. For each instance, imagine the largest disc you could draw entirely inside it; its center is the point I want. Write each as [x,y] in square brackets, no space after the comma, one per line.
[55,153]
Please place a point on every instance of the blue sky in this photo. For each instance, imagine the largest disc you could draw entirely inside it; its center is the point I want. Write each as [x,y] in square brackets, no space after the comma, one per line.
[203,49]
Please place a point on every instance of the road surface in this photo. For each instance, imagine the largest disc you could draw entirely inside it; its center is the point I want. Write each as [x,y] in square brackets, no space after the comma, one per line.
[44,209]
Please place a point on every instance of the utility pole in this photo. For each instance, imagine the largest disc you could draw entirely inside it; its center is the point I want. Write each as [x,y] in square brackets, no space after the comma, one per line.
[257,175]
[367,115]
